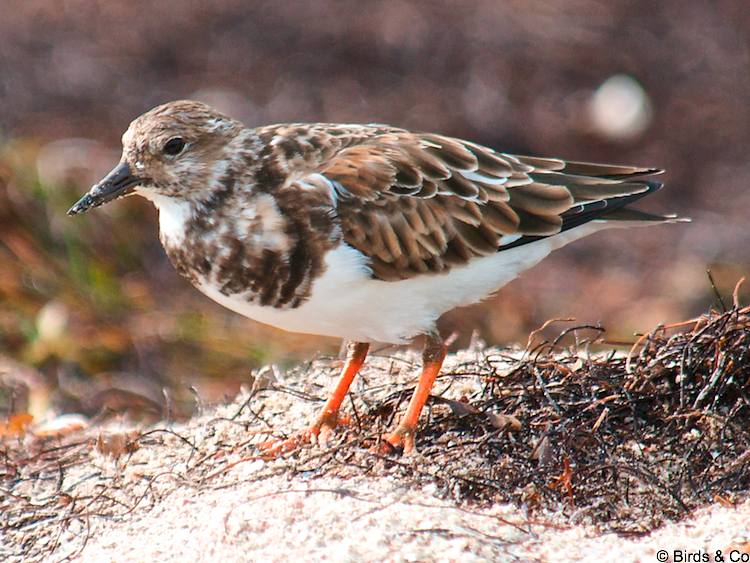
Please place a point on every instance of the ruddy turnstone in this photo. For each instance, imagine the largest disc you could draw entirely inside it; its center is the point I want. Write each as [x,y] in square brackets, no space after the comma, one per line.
[363,232]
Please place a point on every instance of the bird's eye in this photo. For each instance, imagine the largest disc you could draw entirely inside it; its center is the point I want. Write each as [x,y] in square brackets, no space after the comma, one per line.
[174,146]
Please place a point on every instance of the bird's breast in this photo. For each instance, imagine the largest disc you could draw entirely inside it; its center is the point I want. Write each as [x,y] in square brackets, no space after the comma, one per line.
[251,251]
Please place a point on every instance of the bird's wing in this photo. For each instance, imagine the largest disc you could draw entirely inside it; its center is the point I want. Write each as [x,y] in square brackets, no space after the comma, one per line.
[417,203]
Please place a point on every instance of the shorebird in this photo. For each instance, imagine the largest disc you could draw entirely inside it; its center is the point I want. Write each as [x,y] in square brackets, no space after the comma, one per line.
[363,232]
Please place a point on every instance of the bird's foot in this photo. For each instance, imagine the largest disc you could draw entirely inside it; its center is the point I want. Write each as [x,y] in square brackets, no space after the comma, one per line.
[400,439]
[320,431]
[275,448]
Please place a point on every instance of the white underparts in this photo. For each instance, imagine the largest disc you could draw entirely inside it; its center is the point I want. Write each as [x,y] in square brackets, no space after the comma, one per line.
[347,303]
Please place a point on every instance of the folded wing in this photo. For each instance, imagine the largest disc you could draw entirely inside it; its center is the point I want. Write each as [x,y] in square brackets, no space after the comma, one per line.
[418,203]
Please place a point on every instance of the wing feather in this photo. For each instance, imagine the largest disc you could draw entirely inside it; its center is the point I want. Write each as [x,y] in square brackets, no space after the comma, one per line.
[416,203]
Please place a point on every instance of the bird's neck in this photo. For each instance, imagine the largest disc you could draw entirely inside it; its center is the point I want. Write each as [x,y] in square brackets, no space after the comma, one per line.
[175,214]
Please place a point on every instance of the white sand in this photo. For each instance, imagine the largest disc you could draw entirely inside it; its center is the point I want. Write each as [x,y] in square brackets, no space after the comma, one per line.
[377,520]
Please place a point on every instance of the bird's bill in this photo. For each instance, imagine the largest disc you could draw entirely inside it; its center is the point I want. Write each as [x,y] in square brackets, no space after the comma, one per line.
[119,182]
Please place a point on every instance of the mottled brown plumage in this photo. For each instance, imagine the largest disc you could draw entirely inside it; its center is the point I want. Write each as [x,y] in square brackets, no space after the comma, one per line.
[362,231]
[412,203]
[422,203]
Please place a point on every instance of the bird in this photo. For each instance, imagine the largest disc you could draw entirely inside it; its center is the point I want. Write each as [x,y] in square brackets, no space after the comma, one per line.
[364,232]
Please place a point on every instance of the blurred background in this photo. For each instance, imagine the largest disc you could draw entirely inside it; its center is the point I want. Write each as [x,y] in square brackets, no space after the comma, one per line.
[92,315]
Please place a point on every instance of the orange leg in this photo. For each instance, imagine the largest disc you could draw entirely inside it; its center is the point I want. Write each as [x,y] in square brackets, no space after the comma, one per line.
[328,418]
[432,360]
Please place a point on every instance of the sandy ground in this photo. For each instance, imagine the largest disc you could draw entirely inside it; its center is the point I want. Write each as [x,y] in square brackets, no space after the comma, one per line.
[379,520]
[198,492]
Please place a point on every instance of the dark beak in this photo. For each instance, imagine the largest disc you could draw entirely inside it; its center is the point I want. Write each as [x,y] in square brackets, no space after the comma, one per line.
[121,181]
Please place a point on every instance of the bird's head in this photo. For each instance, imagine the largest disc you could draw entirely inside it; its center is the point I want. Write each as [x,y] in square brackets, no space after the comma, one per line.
[178,149]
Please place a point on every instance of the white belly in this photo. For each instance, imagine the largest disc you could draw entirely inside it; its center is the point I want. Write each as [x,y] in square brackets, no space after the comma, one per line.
[346,303]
